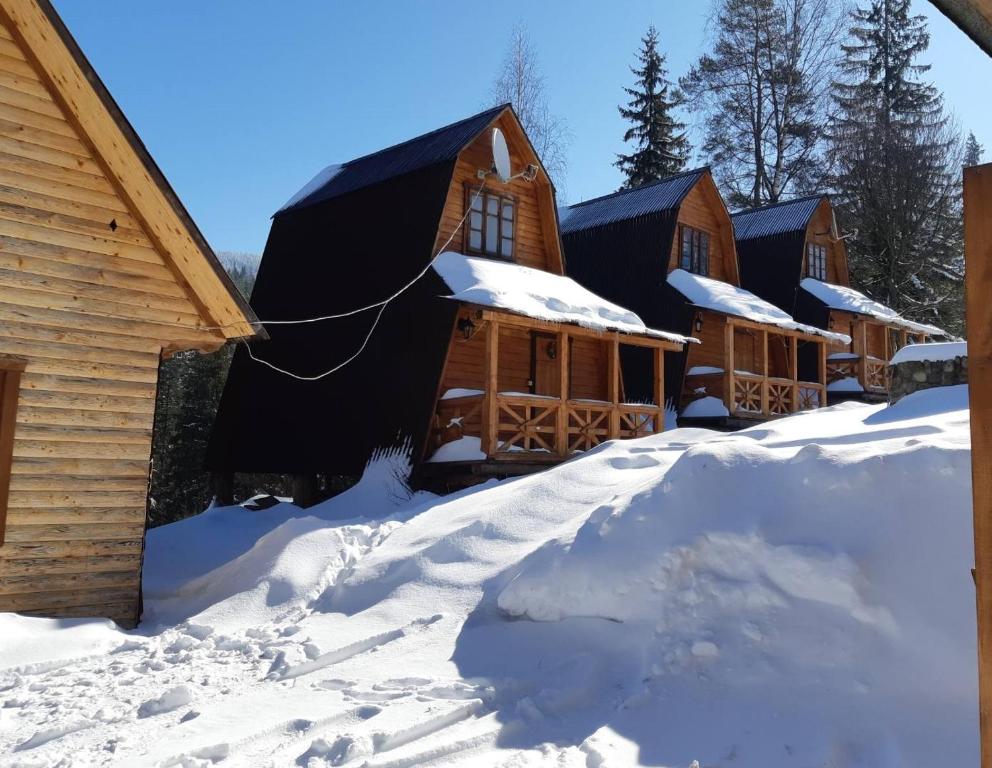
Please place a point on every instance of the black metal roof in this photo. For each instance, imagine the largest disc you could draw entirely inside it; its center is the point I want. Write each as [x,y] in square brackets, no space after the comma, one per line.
[653,197]
[437,146]
[776,219]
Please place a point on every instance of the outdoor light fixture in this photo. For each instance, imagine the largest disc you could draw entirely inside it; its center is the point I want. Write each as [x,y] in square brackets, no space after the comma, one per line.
[467,327]
[699,323]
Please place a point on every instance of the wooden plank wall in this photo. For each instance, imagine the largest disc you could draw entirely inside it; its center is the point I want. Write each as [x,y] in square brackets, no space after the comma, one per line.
[699,209]
[710,352]
[820,231]
[88,302]
[465,367]
[536,234]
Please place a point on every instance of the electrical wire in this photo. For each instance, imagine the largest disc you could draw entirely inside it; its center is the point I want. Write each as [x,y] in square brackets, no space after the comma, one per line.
[380,304]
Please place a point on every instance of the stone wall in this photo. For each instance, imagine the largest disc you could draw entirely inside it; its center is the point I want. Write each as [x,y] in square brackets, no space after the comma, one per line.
[914,375]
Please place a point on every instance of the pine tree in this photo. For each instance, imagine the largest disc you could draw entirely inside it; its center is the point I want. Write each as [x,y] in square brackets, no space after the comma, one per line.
[973,151]
[662,145]
[897,162]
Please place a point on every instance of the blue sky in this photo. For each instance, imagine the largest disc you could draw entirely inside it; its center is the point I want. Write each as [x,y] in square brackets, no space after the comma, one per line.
[242,102]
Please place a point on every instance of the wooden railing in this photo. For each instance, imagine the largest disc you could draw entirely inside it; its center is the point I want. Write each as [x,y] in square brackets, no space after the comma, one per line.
[532,426]
[870,372]
[769,397]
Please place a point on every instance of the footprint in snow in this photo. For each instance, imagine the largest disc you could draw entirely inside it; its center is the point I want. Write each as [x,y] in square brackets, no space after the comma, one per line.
[641,461]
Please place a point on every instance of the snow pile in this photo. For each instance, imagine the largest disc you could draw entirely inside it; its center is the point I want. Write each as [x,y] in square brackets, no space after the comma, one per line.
[323,177]
[849,300]
[930,353]
[719,296]
[705,408]
[795,594]
[537,294]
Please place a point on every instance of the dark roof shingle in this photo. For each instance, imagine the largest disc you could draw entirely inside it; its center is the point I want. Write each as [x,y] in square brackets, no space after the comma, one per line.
[628,204]
[777,219]
[431,148]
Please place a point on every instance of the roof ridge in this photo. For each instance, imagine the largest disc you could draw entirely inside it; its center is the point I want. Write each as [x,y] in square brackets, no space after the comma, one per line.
[780,203]
[449,126]
[655,183]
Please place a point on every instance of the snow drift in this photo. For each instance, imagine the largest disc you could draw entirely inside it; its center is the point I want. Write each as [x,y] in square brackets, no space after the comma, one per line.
[797,594]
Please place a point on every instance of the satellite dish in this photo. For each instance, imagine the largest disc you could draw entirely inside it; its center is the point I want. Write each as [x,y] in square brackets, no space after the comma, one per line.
[501,156]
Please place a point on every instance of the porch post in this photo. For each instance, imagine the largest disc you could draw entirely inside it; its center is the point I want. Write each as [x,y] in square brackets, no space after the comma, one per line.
[728,343]
[613,385]
[794,349]
[863,373]
[764,373]
[565,388]
[490,419]
[823,373]
[903,338]
[659,387]
[978,278]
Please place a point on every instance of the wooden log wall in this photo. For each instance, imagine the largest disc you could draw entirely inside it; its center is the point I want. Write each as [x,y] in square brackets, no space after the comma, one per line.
[536,241]
[703,210]
[88,303]
[820,231]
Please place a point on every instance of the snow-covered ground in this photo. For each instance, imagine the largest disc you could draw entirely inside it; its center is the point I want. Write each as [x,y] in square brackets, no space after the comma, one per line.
[797,594]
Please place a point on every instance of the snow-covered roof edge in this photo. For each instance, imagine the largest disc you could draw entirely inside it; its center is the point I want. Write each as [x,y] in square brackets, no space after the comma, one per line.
[538,294]
[718,296]
[847,299]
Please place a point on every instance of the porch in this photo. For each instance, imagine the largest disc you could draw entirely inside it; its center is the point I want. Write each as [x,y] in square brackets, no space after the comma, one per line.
[546,391]
[861,369]
[759,375]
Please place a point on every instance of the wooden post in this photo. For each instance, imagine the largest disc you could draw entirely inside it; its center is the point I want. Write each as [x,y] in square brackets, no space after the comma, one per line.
[764,373]
[728,343]
[304,488]
[823,374]
[613,385]
[863,372]
[978,280]
[561,425]
[659,387]
[903,338]
[490,416]
[794,353]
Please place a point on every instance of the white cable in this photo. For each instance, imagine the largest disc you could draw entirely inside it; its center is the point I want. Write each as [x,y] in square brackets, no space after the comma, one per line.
[381,304]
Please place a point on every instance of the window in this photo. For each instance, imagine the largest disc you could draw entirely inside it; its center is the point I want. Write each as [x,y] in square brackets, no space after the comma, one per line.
[816,261]
[695,251]
[491,222]
[10,384]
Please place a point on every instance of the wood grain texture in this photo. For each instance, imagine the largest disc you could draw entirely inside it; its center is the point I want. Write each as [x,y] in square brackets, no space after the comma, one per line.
[978,280]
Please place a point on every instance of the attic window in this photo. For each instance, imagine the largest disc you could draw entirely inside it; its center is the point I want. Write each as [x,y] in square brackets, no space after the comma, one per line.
[491,224]
[10,384]
[695,250]
[816,261]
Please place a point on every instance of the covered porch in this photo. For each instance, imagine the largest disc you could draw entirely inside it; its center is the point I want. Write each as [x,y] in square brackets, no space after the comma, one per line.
[863,366]
[760,376]
[544,391]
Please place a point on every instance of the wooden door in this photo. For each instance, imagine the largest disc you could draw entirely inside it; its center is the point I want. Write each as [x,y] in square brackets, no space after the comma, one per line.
[544,367]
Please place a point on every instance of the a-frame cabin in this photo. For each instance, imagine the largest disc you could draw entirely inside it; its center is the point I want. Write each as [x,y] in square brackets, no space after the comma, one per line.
[666,250]
[792,256]
[101,273]
[490,363]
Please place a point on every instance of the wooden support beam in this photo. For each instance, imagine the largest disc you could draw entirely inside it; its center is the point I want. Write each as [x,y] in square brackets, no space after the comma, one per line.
[794,354]
[728,367]
[490,429]
[530,323]
[613,386]
[978,279]
[764,372]
[659,387]
[823,373]
[223,488]
[564,368]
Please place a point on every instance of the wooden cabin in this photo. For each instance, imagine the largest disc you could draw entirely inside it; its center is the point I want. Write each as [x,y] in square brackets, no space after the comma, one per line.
[792,256]
[490,363]
[667,251]
[102,272]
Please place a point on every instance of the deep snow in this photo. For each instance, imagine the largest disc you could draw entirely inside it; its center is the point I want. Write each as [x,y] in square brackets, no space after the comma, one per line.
[797,594]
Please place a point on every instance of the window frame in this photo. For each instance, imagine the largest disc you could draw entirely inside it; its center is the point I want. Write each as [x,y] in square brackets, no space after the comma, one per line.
[699,250]
[503,199]
[821,261]
[11,369]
